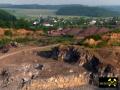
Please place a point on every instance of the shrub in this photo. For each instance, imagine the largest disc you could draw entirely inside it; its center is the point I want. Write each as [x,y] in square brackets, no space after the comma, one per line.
[8,33]
[116,44]
[102,44]
[5,41]
[23,40]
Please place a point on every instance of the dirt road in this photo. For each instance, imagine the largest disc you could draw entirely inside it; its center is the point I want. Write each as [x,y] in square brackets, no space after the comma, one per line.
[27,49]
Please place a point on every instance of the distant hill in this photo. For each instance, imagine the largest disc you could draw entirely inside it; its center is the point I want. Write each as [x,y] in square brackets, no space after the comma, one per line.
[5,5]
[79,10]
[31,6]
[112,8]
[73,9]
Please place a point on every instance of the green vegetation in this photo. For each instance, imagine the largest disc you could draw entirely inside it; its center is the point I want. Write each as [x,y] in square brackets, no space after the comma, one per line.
[30,13]
[8,33]
[5,16]
[116,44]
[23,40]
[22,23]
[79,10]
[116,31]
[6,19]
[102,44]
[54,40]
[5,41]
[9,21]
[62,39]
[39,41]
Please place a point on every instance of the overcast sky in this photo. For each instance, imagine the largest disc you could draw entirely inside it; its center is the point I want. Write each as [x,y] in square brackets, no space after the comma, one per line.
[84,2]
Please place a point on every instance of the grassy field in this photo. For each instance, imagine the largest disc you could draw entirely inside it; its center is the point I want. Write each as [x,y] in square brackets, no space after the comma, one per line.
[33,13]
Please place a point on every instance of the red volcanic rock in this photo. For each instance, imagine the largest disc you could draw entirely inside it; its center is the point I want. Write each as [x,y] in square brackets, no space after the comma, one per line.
[87,32]
[56,33]
[73,31]
[103,30]
[78,32]
[68,31]
[92,31]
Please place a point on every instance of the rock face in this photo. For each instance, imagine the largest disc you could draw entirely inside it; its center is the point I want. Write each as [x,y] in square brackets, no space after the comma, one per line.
[85,58]
[69,54]
[54,83]
[17,77]
[60,68]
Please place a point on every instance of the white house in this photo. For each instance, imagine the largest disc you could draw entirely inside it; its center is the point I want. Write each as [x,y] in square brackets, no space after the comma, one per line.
[47,25]
[35,22]
[93,22]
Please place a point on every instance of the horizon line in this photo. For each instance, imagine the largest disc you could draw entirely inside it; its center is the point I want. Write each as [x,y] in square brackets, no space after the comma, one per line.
[53,4]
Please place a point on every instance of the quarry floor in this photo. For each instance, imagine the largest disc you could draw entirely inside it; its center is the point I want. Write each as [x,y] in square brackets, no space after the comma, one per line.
[53,70]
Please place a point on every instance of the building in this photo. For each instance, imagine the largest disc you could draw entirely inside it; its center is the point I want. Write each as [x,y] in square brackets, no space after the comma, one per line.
[93,22]
[47,24]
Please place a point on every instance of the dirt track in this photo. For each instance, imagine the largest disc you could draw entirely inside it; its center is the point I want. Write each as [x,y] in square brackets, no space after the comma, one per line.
[25,50]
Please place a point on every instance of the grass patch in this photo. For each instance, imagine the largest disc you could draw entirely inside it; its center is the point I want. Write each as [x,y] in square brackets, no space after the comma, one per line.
[24,40]
[5,41]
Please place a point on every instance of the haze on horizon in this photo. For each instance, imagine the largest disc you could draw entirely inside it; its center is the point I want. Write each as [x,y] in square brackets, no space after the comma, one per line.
[60,2]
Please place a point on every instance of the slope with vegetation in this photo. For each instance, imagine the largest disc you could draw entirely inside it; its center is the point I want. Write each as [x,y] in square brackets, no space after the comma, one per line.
[72,9]
[79,10]
[6,19]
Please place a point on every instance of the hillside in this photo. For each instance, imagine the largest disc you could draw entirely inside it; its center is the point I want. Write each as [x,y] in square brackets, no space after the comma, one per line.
[31,6]
[72,9]
[6,19]
[112,8]
[79,10]
[5,16]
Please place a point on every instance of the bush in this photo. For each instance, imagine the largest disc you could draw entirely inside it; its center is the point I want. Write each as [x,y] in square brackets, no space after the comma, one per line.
[116,44]
[62,39]
[23,40]
[5,41]
[8,33]
[116,31]
[102,44]
[22,23]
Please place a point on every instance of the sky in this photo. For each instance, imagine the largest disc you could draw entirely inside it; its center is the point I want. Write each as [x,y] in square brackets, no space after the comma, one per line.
[54,2]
